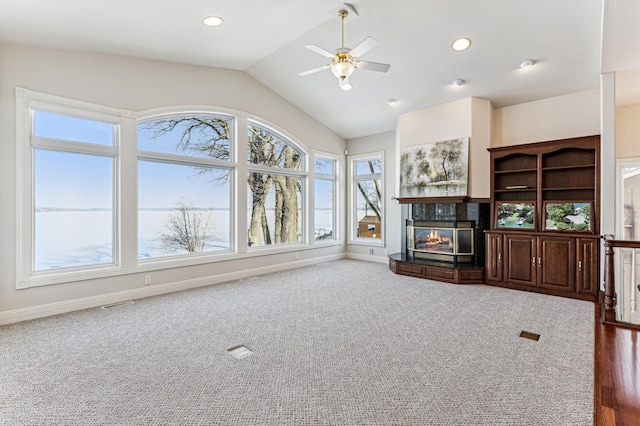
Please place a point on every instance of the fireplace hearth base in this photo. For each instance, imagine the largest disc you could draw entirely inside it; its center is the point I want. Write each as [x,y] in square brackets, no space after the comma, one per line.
[438,271]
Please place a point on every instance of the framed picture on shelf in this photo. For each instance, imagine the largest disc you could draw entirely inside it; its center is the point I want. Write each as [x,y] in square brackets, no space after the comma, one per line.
[574,216]
[515,215]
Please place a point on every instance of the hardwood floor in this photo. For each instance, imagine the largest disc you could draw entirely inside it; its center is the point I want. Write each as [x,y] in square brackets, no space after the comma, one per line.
[617,375]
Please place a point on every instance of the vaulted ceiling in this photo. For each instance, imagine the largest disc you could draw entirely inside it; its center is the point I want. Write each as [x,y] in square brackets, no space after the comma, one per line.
[267,39]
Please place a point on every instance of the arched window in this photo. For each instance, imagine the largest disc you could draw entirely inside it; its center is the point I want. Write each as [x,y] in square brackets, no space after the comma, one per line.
[184,185]
[276,181]
[105,191]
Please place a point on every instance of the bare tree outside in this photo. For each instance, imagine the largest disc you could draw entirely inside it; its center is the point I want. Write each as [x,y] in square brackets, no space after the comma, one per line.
[187,228]
[210,137]
[267,149]
[371,190]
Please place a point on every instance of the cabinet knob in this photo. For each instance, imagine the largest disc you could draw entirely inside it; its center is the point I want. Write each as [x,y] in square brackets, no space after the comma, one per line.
[533,260]
[579,265]
[499,257]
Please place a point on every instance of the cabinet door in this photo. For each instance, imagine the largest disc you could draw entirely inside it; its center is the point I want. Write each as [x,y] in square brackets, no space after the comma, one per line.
[556,263]
[520,259]
[587,264]
[494,257]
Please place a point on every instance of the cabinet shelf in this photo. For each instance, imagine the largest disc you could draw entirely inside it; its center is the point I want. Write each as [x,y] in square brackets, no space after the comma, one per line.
[517,190]
[542,258]
[581,166]
[515,171]
[569,188]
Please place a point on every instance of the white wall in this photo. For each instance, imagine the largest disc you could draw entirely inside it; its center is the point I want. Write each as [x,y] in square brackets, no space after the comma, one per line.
[136,85]
[392,217]
[562,117]
[469,117]
[628,131]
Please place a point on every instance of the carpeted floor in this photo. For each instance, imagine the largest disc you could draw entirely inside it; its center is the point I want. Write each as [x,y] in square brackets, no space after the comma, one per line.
[339,343]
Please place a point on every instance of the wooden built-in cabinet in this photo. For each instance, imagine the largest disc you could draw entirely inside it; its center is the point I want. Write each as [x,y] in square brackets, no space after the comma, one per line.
[558,265]
[540,254]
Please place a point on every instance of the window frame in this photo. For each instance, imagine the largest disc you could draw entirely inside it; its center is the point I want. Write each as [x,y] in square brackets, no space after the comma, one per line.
[186,160]
[354,239]
[26,145]
[125,189]
[336,205]
[302,173]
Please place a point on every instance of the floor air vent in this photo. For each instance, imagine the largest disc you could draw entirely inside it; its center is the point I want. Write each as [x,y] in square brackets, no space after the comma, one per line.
[115,305]
[529,335]
[240,351]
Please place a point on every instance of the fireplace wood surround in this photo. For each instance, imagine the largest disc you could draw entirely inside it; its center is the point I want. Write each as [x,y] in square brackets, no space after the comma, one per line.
[443,239]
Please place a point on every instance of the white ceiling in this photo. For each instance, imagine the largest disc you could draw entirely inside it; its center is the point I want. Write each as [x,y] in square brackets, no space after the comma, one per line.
[266,39]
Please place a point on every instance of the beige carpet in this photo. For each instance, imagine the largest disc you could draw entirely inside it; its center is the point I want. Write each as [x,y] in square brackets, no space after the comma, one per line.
[340,343]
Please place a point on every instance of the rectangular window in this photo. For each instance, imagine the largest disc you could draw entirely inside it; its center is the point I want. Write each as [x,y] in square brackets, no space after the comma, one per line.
[68,157]
[74,216]
[64,127]
[274,212]
[366,206]
[182,209]
[325,198]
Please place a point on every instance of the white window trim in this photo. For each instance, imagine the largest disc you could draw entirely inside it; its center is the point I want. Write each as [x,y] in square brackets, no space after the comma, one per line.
[338,207]
[26,100]
[178,159]
[302,173]
[125,203]
[353,214]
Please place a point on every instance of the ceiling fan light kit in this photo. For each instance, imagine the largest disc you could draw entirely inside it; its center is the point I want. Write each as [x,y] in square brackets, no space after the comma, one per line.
[344,61]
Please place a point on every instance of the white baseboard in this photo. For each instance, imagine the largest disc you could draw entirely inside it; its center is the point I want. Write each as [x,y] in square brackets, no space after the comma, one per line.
[368,257]
[34,312]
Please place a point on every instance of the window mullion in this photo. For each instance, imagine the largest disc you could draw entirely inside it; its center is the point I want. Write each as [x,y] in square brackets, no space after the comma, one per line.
[183,159]
[73,147]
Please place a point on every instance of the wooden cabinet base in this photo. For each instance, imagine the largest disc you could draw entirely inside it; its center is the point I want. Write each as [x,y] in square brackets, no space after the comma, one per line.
[443,272]
[570,295]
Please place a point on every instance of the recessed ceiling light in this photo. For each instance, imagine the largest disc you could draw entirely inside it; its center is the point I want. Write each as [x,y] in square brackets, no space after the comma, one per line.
[457,82]
[526,63]
[391,102]
[212,21]
[461,44]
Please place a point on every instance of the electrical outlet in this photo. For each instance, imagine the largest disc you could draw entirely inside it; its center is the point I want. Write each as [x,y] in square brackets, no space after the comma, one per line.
[295,256]
[147,279]
[371,251]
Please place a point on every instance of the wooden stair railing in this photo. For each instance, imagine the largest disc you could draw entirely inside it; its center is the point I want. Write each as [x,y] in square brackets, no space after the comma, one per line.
[610,298]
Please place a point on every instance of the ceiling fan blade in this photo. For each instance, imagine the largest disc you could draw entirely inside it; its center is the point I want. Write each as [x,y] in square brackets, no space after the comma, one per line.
[365,45]
[311,71]
[372,66]
[320,50]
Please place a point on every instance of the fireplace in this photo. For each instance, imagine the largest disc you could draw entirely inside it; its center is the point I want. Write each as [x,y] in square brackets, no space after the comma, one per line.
[444,241]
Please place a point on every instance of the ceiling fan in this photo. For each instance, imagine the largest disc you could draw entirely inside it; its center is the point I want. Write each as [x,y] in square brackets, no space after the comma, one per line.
[344,60]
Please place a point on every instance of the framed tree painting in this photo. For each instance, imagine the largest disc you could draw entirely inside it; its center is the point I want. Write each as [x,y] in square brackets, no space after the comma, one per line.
[437,169]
